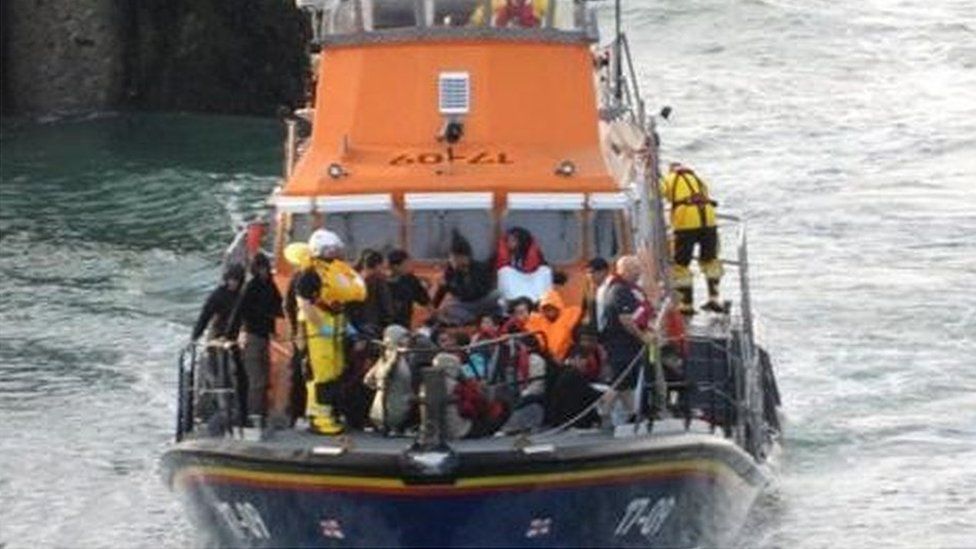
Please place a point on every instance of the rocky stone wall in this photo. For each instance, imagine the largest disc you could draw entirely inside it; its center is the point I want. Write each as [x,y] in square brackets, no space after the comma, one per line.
[61,55]
[231,56]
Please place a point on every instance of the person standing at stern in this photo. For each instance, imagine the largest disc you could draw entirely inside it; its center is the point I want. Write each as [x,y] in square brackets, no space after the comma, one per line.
[325,289]
[694,223]
[625,334]
[260,306]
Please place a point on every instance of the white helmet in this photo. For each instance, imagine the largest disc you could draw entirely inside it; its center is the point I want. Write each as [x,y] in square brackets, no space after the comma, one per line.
[326,244]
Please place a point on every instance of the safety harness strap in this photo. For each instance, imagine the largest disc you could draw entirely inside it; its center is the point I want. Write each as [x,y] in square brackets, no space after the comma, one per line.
[697,194]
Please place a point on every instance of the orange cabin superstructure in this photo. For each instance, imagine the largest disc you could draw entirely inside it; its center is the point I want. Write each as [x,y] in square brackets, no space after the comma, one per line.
[530,106]
[435,126]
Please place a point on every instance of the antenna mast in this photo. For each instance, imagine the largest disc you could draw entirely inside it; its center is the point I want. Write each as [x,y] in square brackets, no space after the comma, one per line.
[618,68]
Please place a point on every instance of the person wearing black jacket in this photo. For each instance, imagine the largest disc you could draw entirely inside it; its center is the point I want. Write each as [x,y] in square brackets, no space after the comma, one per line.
[220,304]
[259,307]
[375,313]
[406,289]
[470,285]
[215,320]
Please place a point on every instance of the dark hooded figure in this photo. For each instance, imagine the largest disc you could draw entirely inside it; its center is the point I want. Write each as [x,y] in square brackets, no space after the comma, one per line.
[217,369]
[220,304]
[467,284]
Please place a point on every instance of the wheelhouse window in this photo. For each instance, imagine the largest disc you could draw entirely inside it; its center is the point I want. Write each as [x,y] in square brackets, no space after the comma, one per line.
[342,17]
[605,233]
[431,232]
[361,230]
[558,232]
[300,227]
[457,13]
[392,14]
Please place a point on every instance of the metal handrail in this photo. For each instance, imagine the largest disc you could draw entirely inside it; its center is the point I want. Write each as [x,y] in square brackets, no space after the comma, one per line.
[748,384]
[658,323]
[189,390]
[633,82]
[625,86]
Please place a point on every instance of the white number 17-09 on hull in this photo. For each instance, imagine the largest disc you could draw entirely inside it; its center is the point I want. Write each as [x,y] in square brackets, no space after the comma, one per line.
[648,518]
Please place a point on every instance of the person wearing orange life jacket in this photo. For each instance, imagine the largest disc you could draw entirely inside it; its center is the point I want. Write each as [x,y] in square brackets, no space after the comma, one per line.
[556,322]
[693,221]
[323,291]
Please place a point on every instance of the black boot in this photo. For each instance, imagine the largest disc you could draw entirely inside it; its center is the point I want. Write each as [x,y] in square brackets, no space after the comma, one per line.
[713,304]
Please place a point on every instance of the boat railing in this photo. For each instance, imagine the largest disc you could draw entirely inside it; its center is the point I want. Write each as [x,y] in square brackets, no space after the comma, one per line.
[208,376]
[211,394]
[741,339]
[620,91]
[298,131]
[641,387]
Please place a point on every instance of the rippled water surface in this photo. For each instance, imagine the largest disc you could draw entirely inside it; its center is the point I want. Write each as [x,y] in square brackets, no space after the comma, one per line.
[845,131]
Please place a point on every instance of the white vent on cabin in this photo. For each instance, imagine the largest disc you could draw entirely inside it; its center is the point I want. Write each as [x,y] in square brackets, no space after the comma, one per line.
[455,92]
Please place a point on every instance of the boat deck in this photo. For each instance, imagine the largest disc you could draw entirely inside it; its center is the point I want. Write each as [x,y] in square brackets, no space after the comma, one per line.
[299,438]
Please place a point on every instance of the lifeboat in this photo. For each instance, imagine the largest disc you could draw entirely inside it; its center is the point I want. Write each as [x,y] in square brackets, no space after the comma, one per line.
[430,118]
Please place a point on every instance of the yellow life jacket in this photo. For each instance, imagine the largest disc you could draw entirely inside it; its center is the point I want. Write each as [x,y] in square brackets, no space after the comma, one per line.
[341,283]
[691,207]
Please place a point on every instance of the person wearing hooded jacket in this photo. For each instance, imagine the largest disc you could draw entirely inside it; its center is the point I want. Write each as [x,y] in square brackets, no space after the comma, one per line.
[467,289]
[391,378]
[259,308]
[215,319]
[555,322]
[323,291]
[216,311]
[522,269]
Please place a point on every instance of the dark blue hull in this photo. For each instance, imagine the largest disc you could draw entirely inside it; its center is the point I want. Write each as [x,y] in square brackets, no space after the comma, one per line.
[669,499]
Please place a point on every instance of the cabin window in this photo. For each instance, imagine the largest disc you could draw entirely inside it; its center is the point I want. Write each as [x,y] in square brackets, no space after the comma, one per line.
[456,13]
[393,14]
[361,230]
[605,234]
[558,232]
[300,227]
[430,232]
[344,17]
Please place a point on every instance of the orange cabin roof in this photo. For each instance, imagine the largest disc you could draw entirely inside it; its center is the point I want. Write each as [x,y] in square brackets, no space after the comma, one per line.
[532,106]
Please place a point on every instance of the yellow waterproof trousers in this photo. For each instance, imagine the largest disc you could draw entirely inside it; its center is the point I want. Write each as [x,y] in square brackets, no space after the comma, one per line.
[326,357]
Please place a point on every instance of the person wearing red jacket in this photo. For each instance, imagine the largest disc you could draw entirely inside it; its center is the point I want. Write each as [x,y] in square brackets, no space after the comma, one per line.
[519,13]
[522,269]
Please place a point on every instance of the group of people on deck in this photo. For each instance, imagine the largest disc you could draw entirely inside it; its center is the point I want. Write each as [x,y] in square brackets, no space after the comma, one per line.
[515,354]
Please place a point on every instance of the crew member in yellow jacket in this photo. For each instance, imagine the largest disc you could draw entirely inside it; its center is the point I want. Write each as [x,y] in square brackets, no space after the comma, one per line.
[694,223]
[324,288]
